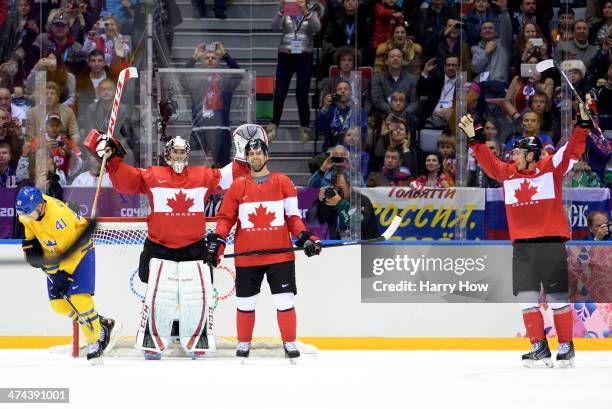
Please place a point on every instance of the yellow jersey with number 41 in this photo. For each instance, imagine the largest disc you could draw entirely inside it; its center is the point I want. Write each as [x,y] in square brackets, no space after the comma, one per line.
[56,231]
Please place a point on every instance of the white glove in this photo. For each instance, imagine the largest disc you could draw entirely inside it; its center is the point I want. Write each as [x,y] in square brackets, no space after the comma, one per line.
[103,145]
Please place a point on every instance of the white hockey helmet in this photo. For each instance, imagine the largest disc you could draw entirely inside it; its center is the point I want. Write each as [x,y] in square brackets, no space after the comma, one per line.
[176,143]
[243,134]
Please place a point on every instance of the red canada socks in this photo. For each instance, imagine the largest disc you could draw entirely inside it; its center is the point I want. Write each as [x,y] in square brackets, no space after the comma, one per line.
[534,324]
[564,324]
[245,321]
[287,324]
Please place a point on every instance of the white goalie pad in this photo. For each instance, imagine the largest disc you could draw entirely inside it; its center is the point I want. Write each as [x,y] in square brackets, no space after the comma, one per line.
[196,303]
[159,306]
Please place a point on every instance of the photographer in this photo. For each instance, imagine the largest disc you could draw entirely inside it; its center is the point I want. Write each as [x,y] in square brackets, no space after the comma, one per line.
[394,133]
[335,116]
[599,226]
[337,162]
[104,36]
[333,208]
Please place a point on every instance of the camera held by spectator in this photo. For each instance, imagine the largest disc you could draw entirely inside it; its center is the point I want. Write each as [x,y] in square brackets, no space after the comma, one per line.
[600,226]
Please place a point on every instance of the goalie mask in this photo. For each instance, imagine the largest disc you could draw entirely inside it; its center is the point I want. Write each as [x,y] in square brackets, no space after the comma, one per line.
[243,134]
[176,153]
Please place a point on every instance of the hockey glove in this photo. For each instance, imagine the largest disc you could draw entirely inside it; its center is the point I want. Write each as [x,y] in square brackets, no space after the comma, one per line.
[60,284]
[311,243]
[474,132]
[583,120]
[33,252]
[215,246]
[98,143]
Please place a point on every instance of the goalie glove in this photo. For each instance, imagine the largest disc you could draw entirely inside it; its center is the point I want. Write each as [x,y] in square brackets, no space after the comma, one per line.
[98,143]
[474,132]
[311,243]
[60,284]
[215,246]
[33,252]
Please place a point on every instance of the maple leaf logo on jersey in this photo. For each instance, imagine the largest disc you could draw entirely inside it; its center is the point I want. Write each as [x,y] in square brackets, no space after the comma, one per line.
[180,203]
[261,217]
[525,192]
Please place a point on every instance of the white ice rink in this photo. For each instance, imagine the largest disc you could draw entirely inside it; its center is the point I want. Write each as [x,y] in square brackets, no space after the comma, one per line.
[347,379]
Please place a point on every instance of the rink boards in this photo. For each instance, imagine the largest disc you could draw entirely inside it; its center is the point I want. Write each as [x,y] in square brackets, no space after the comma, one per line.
[329,307]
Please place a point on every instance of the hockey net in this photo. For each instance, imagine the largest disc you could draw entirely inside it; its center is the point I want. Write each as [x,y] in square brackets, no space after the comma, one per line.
[133,231]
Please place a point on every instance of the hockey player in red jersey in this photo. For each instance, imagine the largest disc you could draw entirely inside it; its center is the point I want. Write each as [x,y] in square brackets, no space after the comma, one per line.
[174,250]
[264,205]
[538,227]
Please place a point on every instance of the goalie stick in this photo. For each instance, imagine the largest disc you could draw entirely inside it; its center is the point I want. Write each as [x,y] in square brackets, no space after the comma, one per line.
[385,236]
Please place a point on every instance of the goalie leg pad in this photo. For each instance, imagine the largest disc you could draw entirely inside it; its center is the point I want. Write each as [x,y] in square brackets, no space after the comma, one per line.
[196,307]
[159,306]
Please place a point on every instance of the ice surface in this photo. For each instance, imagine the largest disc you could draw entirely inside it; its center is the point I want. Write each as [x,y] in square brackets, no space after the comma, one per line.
[334,379]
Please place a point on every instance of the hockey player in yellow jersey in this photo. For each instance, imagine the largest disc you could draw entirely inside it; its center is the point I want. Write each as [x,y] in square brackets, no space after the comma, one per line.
[50,229]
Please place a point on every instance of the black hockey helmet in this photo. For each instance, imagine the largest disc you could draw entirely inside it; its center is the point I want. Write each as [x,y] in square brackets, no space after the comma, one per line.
[255,144]
[530,144]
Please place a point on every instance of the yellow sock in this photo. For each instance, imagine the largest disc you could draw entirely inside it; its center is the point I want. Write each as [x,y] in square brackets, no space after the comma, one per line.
[85,305]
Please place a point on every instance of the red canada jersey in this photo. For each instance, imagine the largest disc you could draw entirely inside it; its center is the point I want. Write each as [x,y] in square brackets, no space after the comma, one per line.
[177,201]
[266,213]
[534,198]
[60,157]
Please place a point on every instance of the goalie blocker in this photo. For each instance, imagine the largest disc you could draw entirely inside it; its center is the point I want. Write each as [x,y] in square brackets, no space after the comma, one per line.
[98,142]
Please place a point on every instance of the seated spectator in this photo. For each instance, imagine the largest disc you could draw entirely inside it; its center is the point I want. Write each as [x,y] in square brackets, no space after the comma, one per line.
[337,162]
[88,80]
[433,175]
[58,74]
[481,11]
[336,116]
[395,77]
[96,117]
[58,42]
[90,177]
[583,176]
[22,29]
[295,57]
[352,142]
[395,134]
[52,178]
[116,48]
[333,208]
[399,39]
[64,151]
[577,72]
[344,29]
[549,120]
[69,123]
[449,42]
[528,12]
[491,56]
[577,48]
[7,172]
[211,98]
[476,176]
[387,15]
[601,29]
[10,135]
[530,44]
[446,149]
[345,58]
[523,88]
[398,113]
[565,30]
[16,112]
[530,126]
[391,173]
[436,88]
[599,226]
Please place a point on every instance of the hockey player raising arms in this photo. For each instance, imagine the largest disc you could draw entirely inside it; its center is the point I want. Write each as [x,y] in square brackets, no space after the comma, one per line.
[171,261]
[538,229]
[265,206]
[51,228]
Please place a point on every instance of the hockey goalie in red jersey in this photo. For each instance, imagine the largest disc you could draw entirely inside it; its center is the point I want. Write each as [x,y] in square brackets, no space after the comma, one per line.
[265,207]
[173,254]
[538,227]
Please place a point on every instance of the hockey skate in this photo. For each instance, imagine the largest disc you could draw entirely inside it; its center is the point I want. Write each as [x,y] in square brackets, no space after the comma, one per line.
[539,356]
[94,354]
[109,333]
[291,351]
[566,354]
[243,350]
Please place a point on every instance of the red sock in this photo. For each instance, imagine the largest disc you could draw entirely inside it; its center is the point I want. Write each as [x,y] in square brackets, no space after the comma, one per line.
[534,324]
[564,324]
[245,322]
[287,324]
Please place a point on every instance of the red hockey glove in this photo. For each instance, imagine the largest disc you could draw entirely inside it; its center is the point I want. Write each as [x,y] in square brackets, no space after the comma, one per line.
[97,142]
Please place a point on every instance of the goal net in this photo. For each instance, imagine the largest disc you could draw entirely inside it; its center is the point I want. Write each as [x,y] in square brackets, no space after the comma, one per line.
[121,240]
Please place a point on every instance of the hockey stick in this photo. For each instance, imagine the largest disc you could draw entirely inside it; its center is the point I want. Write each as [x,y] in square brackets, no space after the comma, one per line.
[385,236]
[547,64]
